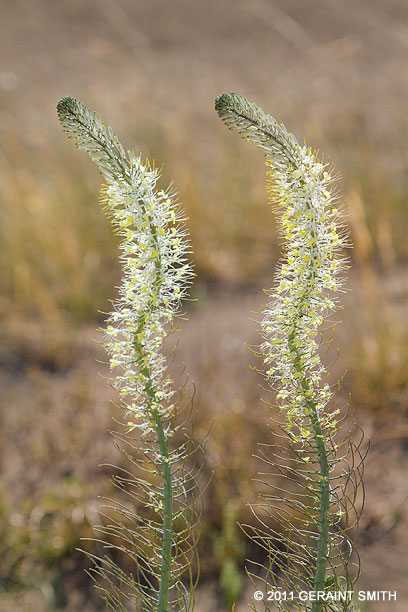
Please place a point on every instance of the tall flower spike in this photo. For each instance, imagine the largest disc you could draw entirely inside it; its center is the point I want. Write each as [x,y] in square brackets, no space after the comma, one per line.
[156,276]
[314,511]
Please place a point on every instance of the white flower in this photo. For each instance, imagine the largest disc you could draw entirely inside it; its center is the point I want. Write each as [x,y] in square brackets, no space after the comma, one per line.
[310,269]
[154,257]
[156,276]
[308,272]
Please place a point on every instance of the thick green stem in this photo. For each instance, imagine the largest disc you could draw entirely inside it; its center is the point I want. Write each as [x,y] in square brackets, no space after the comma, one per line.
[322,544]
[167,537]
[167,495]
[324,490]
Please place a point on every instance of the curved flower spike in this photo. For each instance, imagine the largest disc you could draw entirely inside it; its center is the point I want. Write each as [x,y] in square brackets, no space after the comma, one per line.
[307,280]
[156,276]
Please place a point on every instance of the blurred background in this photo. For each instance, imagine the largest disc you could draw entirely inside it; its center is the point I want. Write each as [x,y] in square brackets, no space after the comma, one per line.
[336,73]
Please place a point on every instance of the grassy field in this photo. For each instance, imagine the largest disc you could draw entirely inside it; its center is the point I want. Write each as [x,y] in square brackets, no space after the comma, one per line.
[336,74]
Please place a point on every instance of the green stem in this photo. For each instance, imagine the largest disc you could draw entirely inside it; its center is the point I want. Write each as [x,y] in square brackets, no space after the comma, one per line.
[167,495]
[324,490]
[167,537]
[322,544]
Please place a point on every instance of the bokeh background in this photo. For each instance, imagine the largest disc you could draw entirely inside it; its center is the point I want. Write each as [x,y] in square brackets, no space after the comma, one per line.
[336,73]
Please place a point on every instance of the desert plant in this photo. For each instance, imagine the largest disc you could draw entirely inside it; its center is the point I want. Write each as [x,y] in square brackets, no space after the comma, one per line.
[155,530]
[306,521]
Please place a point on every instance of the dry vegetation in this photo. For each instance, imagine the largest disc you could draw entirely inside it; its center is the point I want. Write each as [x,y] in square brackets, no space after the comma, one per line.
[336,74]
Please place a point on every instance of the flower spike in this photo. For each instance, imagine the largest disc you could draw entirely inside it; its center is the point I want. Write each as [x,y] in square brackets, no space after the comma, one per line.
[310,274]
[156,276]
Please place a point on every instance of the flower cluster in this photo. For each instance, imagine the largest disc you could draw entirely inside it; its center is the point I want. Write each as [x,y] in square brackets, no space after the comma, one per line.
[156,272]
[310,271]
[307,278]
[156,275]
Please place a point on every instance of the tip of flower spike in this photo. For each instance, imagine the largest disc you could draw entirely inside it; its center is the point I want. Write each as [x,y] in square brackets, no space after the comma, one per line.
[66,104]
[223,101]
[67,109]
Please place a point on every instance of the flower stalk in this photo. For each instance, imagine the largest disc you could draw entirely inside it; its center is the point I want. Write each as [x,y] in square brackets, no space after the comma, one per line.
[156,276]
[303,297]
